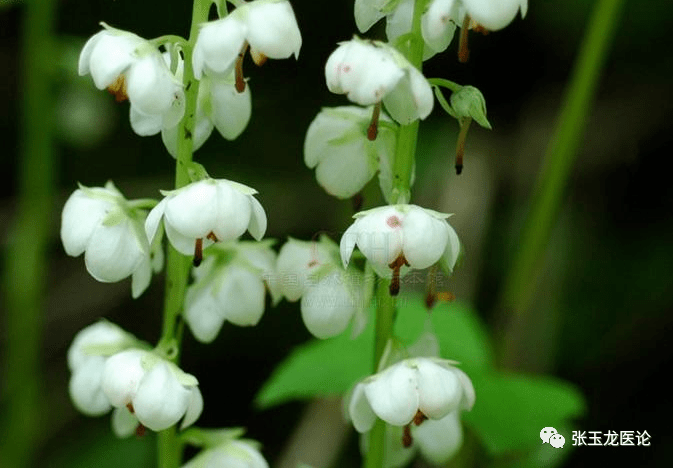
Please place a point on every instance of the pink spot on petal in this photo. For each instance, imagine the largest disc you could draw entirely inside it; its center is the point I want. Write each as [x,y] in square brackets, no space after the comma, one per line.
[394,222]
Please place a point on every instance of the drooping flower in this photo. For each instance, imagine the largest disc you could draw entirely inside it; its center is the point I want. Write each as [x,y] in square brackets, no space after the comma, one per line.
[86,359]
[204,212]
[370,72]
[344,157]
[231,454]
[331,296]
[219,105]
[108,229]
[267,26]
[132,68]
[414,389]
[392,237]
[153,390]
[494,14]
[230,286]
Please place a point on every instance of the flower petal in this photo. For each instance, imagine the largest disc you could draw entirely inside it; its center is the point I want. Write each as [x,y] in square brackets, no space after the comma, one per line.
[229,110]
[257,225]
[218,45]
[114,252]
[193,210]
[242,296]
[439,389]
[85,387]
[203,313]
[273,29]
[392,394]
[81,214]
[439,440]
[122,375]
[327,307]
[360,411]
[161,400]
[425,238]
[194,408]
[124,423]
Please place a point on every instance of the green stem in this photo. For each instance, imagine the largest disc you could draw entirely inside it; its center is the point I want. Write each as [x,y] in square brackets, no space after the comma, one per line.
[26,260]
[560,156]
[405,152]
[178,265]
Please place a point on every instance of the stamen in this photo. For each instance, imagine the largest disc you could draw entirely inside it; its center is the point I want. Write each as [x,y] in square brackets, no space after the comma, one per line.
[460,144]
[463,49]
[118,89]
[240,80]
[407,440]
[446,296]
[140,430]
[198,252]
[258,57]
[129,406]
[431,288]
[211,236]
[419,417]
[396,265]
[373,128]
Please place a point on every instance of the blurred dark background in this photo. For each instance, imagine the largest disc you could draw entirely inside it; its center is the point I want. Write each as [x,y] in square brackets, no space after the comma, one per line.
[603,307]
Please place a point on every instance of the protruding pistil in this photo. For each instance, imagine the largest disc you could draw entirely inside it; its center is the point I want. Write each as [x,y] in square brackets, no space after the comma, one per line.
[240,80]
[407,440]
[460,144]
[463,48]
[198,252]
[396,265]
[373,128]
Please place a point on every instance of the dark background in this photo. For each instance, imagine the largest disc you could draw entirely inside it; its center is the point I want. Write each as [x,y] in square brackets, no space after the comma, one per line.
[603,308]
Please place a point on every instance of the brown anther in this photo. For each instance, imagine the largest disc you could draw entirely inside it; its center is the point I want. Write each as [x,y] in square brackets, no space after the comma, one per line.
[373,128]
[446,296]
[211,236]
[419,417]
[396,265]
[430,300]
[129,406]
[198,252]
[463,49]
[240,80]
[258,57]
[478,28]
[118,89]
[407,440]
[140,430]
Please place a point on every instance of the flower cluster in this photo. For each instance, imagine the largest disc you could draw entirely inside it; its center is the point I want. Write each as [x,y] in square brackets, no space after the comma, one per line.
[111,368]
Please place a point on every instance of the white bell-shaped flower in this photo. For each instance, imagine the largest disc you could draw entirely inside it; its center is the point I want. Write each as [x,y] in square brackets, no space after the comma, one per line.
[369,72]
[108,229]
[132,68]
[495,14]
[230,286]
[86,358]
[395,236]
[344,157]
[410,390]
[232,454]
[219,105]
[204,212]
[331,297]
[268,26]
[155,391]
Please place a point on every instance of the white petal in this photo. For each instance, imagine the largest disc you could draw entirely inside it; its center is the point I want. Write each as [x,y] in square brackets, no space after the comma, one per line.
[329,125]
[425,238]
[327,307]
[124,423]
[101,333]
[439,389]
[241,295]
[360,411]
[122,375]
[347,243]
[85,387]
[161,400]
[203,314]
[229,110]
[450,255]
[194,408]
[296,260]
[218,45]
[114,252]
[202,130]
[183,244]
[367,12]
[380,235]
[193,210]
[439,24]
[110,55]
[411,99]
[81,215]
[144,124]
[468,390]
[153,219]
[392,394]
[439,440]
[233,213]
[141,277]
[272,29]
[491,14]
[400,21]
[150,86]
[257,225]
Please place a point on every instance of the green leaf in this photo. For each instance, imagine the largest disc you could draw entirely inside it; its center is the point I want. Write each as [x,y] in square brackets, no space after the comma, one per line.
[511,409]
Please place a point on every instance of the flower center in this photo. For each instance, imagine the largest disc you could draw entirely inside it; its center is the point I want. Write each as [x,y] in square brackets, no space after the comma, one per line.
[118,89]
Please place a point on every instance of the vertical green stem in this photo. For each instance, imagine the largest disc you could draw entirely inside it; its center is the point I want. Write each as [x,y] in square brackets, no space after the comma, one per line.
[405,152]
[560,156]
[26,261]
[177,267]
